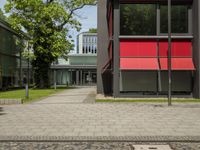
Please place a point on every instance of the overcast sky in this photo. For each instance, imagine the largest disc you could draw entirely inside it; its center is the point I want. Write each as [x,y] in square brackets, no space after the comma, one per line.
[88,18]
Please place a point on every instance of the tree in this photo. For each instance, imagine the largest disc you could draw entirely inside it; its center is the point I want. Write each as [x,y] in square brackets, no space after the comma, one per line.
[92,30]
[2,16]
[48,22]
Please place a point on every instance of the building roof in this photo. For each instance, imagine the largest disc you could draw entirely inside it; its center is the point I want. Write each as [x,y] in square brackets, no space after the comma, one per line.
[82,55]
[86,33]
[8,27]
[73,67]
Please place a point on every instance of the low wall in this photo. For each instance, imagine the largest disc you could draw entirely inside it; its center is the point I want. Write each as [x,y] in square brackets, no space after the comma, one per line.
[10,101]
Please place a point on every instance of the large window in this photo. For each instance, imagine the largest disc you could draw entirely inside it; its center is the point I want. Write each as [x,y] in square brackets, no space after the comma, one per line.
[138,19]
[141,19]
[179,18]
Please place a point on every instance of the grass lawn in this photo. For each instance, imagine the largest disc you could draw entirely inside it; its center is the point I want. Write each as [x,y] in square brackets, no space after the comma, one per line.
[180,100]
[34,94]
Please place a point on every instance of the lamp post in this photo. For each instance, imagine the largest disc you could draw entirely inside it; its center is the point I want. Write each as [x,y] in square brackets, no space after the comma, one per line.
[169,55]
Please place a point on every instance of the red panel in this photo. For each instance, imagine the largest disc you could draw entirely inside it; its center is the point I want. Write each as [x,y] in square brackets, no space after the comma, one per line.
[139,64]
[177,64]
[110,19]
[150,1]
[137,48]
[179,48]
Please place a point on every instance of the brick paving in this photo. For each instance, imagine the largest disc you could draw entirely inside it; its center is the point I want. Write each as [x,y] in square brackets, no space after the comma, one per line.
[69,114]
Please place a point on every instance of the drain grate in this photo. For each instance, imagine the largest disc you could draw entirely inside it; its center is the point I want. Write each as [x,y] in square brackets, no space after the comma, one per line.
[150,147]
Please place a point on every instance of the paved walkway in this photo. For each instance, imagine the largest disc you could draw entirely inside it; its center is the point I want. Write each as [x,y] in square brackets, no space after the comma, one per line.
[77,95]
[70,114]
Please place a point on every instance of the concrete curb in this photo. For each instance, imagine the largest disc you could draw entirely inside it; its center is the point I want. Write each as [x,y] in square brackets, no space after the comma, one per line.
[10,101]
[100,138]
[138,97]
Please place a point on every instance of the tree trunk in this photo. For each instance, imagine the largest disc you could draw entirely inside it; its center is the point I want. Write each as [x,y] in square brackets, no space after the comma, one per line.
[41,73]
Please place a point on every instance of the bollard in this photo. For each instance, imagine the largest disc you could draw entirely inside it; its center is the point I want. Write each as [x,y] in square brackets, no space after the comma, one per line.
[27,92]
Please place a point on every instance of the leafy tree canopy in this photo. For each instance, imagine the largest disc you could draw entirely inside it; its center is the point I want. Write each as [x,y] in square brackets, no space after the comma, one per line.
[48,22]
[92,30]
[2,16]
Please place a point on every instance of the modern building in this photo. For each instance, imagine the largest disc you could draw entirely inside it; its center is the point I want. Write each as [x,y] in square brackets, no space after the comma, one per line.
[80,68]
[13,67]
[133,54]
[87,43]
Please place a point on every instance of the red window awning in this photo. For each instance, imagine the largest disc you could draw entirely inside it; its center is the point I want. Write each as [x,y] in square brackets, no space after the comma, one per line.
[139,64]
[177,64]
[138,48]
[178,48]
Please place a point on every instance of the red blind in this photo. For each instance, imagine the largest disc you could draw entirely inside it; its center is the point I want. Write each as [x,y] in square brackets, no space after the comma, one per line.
[179,49]
[139,64]
[137,48]
[177,64]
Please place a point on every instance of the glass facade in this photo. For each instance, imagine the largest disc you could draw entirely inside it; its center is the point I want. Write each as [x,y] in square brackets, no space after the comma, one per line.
[142,19]
[12,66]
[138,19]
[179,18]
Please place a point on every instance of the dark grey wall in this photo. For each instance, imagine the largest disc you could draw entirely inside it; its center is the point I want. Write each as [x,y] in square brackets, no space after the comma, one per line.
[181,81]
[116,72]
[138,81]
[196,46]
[103,81]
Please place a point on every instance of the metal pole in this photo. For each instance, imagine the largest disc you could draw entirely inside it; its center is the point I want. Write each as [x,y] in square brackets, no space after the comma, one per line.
[20,71]
[169,54]
[27,84]
[55,79]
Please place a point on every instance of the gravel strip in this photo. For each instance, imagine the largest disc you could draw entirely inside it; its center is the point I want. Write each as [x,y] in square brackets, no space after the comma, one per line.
[88,145]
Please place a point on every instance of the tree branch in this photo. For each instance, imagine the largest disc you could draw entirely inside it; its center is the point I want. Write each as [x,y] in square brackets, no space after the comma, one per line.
[72,12]
[50,1]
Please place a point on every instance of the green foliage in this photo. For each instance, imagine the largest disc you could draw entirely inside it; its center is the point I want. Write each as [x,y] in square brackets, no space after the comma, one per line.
[2,16]
[93,30]
[48,22]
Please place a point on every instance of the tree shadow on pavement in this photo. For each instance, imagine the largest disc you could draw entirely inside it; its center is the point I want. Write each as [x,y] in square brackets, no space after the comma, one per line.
[1,111]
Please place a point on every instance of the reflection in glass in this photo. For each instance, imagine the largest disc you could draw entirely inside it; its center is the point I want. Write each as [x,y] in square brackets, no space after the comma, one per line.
[179,18]
[137,19]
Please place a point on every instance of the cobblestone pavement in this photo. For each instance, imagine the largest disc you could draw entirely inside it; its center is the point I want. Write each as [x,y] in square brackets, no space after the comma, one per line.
[85,119]
[70,114]
[88,146]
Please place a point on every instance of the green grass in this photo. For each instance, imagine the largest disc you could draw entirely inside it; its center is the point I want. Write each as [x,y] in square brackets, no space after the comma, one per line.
[34,94]
[147,100]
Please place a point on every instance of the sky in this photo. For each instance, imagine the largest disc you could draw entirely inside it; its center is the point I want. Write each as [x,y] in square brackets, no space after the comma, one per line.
[88,19]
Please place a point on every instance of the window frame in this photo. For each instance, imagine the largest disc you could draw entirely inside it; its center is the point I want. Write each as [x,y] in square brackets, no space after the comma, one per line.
[158,22]
[138,34]
[189,22]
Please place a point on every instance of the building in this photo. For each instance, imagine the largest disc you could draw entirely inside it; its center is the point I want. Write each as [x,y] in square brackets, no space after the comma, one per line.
[13,67]
[87,43]
[80,68]
[132,57]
